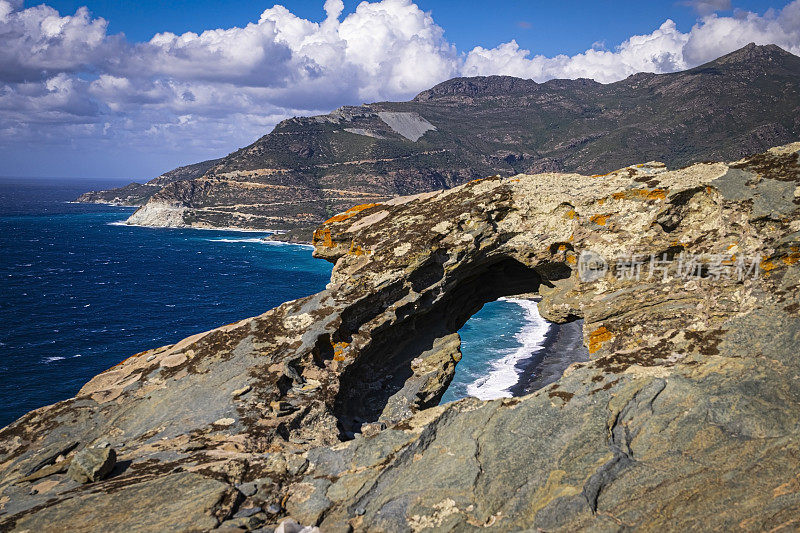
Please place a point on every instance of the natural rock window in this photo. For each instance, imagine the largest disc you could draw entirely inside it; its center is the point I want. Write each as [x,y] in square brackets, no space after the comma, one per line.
[508,349]
[412,363]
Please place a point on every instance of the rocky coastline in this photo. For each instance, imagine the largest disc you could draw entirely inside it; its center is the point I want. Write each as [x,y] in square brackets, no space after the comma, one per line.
[325,409]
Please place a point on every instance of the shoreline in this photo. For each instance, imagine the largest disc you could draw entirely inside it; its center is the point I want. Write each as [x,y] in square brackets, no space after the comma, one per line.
[226,228]
[503,367]
[264,240]
[561,347]
[274,234]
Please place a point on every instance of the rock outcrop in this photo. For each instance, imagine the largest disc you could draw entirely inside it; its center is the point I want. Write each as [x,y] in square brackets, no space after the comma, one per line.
[324,409]
[92,464]
[309,168]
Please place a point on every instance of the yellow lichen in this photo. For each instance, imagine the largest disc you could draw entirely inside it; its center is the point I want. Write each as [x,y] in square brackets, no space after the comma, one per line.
[353,211]
[338,350]
[598,337]
[767,265]
[641,194]
[322,237]
[356,250]
[791,258]
[600,220]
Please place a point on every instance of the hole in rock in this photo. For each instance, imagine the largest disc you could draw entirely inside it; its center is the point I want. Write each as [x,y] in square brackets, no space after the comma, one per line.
[510,350]
[381,385]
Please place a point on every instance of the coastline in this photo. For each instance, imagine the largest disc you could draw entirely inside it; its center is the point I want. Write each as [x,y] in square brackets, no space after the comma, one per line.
[562,346]
[207,228]
[267,239]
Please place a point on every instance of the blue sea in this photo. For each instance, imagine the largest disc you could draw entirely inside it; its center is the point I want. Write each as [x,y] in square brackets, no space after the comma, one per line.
[80,291]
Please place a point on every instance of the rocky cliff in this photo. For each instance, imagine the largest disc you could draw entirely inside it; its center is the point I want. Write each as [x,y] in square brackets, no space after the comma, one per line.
[324,409]
[309,168]
[137,194]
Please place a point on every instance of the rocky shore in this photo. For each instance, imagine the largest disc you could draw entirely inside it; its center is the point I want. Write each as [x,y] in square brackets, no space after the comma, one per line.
[562,347]
[324,409]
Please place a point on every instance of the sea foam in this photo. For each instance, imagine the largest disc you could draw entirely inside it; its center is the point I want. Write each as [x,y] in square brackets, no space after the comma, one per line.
[503,374]
[236,240]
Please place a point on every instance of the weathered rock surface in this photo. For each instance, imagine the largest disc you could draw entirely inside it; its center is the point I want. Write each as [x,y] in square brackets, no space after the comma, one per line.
[687,415]
[309,168]
[92,464]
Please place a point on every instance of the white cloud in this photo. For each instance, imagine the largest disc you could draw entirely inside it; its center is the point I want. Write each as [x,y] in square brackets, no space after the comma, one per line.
[706,7]
[660,51]
[37,42]
[65,76]
[666,49]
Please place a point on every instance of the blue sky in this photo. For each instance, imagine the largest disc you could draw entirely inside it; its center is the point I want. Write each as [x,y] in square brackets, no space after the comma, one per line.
[545,27]
[88,89]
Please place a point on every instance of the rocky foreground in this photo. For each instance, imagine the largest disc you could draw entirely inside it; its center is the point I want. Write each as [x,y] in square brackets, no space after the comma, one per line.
[324,409]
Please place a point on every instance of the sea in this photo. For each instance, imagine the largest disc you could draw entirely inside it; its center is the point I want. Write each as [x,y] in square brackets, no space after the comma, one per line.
[80,291]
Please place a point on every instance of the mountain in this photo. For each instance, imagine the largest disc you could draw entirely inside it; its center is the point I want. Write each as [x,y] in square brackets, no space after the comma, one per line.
[138,193]
[308,168]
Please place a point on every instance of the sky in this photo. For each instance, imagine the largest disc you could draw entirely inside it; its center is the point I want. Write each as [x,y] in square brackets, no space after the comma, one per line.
[102,88]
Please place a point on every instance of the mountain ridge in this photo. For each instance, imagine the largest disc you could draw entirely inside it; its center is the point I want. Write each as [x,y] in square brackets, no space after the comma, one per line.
[308,168]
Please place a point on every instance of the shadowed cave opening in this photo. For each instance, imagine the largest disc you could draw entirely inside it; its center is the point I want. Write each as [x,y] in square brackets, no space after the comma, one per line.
[381,385]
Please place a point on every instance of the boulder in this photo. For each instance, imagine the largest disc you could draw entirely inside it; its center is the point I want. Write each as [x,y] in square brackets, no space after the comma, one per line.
[92,464]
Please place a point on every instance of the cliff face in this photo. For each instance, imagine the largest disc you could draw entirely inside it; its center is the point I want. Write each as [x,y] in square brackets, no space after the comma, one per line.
[307,169]
[325,408]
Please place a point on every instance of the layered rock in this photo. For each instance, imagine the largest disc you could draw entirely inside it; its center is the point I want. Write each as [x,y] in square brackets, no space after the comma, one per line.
[324,409]
[309,168]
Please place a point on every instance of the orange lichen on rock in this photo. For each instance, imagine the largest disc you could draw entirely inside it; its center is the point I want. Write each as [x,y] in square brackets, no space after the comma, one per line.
[767,265]
[355,249]
[598,337]
[338,350]
[600,220]
[791,258]
[353,211]
[322,237]
[571,214]
[641,194]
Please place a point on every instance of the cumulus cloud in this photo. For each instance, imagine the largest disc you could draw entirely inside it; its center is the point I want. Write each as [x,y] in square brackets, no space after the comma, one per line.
[660,51]
[666,49]
[64,79]
[38,42]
